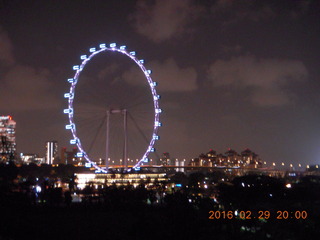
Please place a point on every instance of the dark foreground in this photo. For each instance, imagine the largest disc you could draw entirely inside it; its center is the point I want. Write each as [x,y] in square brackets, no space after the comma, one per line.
[177,221]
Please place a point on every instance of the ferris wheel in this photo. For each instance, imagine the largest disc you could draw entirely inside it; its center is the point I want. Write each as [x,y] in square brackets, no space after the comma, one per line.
[72,112]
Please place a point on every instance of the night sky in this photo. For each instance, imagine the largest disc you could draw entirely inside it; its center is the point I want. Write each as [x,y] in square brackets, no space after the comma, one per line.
[232,73]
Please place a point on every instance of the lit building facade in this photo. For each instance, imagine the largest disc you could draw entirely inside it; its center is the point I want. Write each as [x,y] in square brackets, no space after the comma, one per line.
[70,157]
[51,151]
[7,138]
[165,160]
[230,159]
[27,158]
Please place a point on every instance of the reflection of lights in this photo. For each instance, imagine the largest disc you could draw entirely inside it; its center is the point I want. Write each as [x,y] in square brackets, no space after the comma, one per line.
[288,185]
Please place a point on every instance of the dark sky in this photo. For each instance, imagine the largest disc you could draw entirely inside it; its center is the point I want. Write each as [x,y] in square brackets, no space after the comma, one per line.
[231,73]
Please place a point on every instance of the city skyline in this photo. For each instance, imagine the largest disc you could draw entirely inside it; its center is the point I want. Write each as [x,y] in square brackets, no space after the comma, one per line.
[232,74]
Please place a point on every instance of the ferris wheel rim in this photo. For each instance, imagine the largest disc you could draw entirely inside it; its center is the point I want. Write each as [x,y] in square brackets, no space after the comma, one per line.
[70,96]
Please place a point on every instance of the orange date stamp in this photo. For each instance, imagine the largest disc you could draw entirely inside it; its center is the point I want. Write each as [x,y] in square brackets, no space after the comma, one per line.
[247,215]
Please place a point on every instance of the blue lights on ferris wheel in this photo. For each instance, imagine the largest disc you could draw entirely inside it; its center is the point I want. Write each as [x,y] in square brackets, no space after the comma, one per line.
[70,110]
[74,141]
[155,137]
[80,154]
[68,95]
[158,124]
[70,126]
[76,67]
[83,57]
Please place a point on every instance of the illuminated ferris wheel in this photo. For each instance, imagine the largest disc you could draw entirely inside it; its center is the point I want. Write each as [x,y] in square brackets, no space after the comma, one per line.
[72,111]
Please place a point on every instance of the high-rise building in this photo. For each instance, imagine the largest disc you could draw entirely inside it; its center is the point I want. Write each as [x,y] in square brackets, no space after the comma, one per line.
[7,138]
[51,151]
[69,157]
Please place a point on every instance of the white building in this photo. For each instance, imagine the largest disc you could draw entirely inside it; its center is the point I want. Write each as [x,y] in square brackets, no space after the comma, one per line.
[51,151]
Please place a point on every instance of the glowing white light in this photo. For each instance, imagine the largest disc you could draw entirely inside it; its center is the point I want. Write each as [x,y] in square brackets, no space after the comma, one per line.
[68,111]
[158,124]
[83,57]
[38,189]
[113,45]
[75,67]
[74,141]
[102,45]
[92,49]
[68,95]
[70,126]
[288,185]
